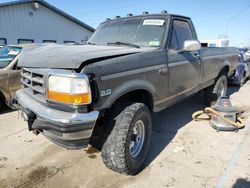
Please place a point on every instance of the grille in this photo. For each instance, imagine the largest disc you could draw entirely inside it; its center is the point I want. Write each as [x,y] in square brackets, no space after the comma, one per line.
[33,83]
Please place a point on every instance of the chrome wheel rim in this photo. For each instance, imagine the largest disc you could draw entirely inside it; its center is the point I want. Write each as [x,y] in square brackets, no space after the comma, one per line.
[137,138]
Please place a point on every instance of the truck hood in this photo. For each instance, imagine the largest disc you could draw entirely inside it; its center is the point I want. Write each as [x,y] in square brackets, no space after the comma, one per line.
[71,57]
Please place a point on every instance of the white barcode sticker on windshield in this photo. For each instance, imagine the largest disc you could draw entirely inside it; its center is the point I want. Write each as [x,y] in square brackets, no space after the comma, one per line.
[153,22]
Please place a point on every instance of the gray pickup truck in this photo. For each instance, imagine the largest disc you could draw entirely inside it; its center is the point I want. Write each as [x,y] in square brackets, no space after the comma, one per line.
[103,93]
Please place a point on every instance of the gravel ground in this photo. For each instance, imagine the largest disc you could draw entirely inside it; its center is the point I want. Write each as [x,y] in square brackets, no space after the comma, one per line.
[183,153]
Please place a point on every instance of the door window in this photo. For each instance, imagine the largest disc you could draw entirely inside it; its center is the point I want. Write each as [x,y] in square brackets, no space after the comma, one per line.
[174,43]
[180,33]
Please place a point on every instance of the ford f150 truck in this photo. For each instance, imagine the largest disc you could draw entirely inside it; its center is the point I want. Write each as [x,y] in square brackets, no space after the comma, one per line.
[104,92]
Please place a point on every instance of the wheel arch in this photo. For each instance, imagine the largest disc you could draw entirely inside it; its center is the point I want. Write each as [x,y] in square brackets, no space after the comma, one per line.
[225,70]
[136,91]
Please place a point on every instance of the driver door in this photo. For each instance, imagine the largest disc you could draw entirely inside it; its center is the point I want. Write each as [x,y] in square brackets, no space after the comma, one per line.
[184,67]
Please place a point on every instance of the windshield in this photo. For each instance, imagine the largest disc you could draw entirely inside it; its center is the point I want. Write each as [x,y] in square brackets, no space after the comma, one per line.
[143,32]
[7,54]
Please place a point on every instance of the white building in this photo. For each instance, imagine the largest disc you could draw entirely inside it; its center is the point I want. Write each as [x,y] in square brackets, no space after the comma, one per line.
[37,21]
[215,42]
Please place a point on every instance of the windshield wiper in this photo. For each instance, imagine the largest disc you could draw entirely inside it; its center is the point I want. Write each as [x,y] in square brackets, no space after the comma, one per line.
[124,43]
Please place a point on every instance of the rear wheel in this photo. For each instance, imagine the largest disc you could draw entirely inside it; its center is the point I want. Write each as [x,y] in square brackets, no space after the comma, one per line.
[126,148]
[217,90]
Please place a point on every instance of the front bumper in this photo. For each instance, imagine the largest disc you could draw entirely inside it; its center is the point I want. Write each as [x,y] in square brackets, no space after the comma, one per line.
[67,129]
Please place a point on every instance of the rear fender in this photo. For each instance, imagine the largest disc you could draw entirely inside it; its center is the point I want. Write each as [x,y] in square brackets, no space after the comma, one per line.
[225,68]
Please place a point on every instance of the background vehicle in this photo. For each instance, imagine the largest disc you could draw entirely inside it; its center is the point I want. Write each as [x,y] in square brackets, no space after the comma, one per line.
[9,72]
[104,92]
[243,50]
[242,71]
[248,54]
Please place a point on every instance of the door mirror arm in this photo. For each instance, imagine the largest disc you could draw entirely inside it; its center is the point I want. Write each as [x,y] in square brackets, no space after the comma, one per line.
[181,51]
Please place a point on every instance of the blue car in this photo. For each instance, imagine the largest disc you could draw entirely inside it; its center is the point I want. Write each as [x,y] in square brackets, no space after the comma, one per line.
[242,72]
[243,50]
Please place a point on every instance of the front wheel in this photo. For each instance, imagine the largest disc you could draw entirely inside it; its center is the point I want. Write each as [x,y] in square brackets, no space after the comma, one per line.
[126,148]
[217,90]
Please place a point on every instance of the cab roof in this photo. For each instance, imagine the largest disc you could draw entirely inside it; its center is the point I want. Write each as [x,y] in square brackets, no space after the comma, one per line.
[163,15]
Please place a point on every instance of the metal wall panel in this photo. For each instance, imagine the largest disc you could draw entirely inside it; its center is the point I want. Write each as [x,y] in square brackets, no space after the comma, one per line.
[23,21]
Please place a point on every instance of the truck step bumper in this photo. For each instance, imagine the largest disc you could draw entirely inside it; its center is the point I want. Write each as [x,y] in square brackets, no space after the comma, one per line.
[67,129]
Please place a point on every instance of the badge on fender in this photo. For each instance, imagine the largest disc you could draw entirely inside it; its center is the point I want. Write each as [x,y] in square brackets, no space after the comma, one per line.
[106,92]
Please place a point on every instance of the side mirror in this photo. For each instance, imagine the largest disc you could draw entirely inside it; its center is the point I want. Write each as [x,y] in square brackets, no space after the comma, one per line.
[191,45]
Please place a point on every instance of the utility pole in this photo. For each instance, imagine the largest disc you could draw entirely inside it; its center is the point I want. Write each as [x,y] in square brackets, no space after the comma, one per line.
[232,18]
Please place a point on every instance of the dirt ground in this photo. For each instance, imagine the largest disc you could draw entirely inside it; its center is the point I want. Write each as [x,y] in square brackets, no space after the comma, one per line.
[183,153]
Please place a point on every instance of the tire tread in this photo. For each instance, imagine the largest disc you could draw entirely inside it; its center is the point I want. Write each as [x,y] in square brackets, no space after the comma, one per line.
[113,151]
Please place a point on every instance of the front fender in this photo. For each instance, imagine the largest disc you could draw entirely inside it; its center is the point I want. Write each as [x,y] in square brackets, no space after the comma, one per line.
[127,87]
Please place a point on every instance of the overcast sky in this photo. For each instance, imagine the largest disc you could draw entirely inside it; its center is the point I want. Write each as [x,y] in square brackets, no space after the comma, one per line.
[212,18]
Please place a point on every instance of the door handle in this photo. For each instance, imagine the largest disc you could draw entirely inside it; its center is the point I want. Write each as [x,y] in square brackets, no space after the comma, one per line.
[163,71]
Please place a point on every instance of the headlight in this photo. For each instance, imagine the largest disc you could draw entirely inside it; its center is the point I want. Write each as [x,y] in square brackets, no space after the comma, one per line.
[70,90]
